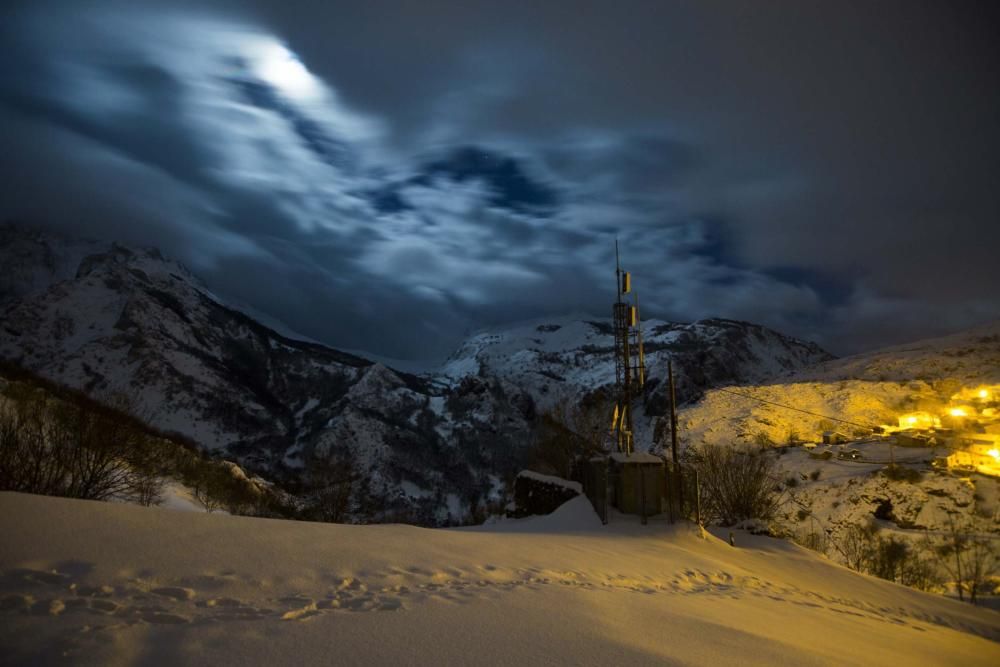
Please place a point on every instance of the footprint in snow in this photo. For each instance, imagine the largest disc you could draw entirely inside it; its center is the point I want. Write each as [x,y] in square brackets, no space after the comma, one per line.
[175,592]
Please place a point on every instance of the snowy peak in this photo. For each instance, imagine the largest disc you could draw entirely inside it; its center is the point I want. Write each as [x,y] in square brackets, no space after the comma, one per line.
[558,358]
[33,260]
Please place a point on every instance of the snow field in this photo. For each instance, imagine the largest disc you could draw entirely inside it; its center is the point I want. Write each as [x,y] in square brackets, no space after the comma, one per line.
[100,583]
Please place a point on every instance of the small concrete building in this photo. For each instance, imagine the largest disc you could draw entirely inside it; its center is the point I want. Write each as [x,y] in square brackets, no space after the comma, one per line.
[637,482]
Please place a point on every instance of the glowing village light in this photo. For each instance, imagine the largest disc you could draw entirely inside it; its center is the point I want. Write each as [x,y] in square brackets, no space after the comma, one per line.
[984,394]
[958,412]
[995,453]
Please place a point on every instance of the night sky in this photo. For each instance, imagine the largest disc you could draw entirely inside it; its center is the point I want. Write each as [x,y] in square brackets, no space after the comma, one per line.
[390,176]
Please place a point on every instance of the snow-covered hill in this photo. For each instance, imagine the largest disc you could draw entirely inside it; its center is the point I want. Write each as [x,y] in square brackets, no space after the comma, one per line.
[869,389]
[96,584]
[824,497]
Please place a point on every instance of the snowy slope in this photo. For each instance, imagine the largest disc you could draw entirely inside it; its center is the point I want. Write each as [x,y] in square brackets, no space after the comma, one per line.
[97,584]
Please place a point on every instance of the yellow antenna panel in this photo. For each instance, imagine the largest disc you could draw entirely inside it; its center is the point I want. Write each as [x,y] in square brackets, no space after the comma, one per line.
[626,282]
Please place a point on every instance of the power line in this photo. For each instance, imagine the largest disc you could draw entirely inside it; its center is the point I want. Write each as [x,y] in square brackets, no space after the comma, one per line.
[789,407]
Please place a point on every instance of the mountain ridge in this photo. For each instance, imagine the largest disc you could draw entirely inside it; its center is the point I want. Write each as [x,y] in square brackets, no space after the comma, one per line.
[433,447]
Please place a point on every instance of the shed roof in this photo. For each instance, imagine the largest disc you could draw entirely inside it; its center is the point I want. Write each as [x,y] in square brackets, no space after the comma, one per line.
[635,457]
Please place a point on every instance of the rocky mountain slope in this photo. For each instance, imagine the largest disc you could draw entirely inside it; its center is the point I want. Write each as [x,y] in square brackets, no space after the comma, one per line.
[126,321]
[430,448]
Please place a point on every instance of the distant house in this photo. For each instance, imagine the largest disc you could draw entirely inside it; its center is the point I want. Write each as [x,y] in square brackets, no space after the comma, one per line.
[920,420]
[834,438]
[977,450]
[912,438]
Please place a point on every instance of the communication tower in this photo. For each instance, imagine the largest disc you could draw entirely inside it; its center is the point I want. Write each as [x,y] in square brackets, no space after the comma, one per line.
[630,362]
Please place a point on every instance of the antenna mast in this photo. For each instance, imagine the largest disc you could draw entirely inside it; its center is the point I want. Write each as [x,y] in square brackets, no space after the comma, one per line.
[630,363]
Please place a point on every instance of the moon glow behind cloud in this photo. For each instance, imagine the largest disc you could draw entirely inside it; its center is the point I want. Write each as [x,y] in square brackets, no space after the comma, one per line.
[283,69]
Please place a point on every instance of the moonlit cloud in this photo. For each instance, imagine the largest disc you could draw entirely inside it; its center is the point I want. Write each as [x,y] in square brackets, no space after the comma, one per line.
[392,177]
[282,69]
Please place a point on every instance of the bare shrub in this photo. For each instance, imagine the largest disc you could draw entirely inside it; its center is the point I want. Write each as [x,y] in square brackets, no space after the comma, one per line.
[57,441]
[205,483]
[866,549]
[857,545]
[63,448]
[737,483]
[330,483]
[28,463]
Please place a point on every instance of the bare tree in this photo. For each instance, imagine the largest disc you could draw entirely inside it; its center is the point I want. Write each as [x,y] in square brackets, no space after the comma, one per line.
[567,432]
[737,483]
[981,564]
[856,544]
[951,554]
[970,559]
[206,489]
[331,481]
[28,461]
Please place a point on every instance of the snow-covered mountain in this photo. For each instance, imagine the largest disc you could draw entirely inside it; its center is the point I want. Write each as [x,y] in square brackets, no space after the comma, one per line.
[114,320]
[110,319]
[559,358]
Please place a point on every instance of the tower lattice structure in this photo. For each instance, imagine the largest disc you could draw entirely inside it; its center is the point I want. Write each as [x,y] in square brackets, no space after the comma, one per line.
[630,363]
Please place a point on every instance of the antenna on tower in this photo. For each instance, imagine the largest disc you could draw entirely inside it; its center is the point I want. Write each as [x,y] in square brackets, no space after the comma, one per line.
[630,362]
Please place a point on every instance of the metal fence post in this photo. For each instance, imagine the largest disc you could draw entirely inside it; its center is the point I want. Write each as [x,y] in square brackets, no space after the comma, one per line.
[604,505]
[642,492]
[697,497]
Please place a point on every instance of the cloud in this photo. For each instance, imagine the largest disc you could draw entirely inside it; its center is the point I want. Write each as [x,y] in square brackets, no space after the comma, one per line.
[392,177]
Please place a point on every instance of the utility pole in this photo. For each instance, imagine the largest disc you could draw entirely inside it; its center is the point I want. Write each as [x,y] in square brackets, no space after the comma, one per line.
[673,410]
[677,476]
